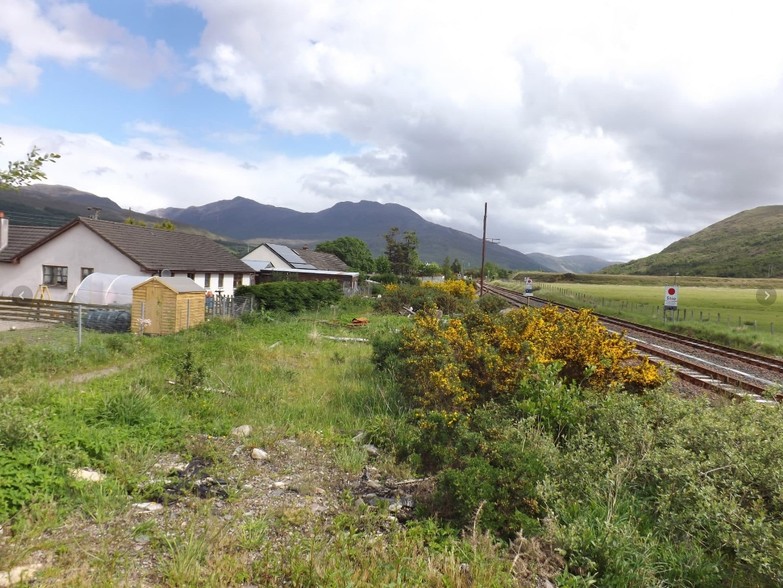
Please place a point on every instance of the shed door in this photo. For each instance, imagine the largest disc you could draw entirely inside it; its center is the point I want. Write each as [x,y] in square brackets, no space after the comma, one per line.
[155,308]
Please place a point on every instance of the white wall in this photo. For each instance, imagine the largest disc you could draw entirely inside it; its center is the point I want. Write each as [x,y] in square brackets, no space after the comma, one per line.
[76,248]
[79,247]
[228,281]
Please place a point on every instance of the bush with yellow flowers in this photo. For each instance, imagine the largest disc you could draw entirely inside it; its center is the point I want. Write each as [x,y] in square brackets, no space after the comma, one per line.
[455,365]
[456,288]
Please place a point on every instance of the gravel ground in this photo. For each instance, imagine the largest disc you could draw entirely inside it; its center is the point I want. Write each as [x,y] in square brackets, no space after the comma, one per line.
[20,325]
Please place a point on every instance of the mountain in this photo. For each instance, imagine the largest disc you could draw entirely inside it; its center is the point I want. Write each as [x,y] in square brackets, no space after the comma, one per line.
[240,222]
[746,245]
[242,218]
[53,206]
[569,264]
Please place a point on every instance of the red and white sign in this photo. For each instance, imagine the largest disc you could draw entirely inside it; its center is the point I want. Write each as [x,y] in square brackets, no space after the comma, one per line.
[670,299]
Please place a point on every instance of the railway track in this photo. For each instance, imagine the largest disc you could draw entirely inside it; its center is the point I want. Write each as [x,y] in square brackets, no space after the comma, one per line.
[724,370]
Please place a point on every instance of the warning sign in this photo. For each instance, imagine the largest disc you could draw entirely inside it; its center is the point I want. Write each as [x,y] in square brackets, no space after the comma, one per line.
[670,298]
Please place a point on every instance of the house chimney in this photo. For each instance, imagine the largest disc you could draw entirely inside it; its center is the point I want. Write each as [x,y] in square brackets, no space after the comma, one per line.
[3,231]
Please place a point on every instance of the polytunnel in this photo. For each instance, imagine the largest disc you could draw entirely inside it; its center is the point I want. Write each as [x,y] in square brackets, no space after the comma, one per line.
[106,289]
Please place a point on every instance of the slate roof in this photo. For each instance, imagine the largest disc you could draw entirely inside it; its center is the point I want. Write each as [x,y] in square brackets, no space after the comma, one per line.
[158,249]
[21,238]
[323,261]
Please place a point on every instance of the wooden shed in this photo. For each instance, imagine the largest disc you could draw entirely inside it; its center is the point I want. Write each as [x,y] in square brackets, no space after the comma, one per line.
[169,304]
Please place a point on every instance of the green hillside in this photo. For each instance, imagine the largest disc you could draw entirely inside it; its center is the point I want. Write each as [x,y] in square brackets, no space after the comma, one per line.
[746,245]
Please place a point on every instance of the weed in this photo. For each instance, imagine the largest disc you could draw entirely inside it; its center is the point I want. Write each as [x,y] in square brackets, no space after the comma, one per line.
[190,373]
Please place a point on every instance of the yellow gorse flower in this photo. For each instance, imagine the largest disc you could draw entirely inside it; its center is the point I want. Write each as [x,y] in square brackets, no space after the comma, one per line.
[454,365]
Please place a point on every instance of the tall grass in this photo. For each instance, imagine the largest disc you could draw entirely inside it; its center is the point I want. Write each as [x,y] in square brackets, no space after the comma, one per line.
[182,395]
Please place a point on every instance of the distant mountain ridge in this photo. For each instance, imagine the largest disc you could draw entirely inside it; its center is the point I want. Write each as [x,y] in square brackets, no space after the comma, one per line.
[569,264]
[240,222]
[242,218]
[748,244]
[53,206]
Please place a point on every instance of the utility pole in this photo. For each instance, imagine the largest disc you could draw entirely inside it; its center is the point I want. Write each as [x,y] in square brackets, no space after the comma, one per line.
[483,252]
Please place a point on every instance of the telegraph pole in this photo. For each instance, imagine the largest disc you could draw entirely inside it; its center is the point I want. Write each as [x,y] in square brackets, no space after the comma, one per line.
[483,252]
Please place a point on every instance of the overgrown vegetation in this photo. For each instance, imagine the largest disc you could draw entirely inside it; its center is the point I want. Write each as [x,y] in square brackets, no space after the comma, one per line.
[290,296]
[545,428]
[551,450]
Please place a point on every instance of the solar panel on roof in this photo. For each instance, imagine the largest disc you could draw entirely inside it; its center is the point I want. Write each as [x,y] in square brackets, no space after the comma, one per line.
[290,257]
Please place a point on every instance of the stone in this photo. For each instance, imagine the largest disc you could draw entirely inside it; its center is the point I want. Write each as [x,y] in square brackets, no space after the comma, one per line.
[242,431]
[148,506]
[19,574]
[87,475]
[259,454]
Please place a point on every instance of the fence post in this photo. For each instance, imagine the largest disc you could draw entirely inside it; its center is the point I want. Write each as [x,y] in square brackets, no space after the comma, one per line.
[79,337]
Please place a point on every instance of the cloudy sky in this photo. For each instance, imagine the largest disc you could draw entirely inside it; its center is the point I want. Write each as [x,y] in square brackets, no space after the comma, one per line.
[609,128]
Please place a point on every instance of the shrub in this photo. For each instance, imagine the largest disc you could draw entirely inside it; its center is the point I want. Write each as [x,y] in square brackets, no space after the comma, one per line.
[294,296]
[450,297]
[457,365]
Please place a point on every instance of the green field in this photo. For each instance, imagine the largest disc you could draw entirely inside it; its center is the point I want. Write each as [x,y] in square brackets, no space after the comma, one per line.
[718,309]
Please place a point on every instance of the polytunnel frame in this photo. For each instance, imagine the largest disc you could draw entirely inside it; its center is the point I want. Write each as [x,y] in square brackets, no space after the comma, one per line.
[123,295]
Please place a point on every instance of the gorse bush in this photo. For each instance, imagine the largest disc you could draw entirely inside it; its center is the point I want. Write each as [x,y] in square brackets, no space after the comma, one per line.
[294,296]
[456,365]
[450,297]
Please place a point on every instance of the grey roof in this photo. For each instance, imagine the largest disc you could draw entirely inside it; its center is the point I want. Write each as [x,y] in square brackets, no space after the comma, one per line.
[175,283]
[323,261]
[290,256]
[157,249]
[21,238]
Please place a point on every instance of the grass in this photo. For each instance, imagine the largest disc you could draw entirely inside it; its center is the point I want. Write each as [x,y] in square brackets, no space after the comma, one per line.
[720,310]
[181,395]
[633,490]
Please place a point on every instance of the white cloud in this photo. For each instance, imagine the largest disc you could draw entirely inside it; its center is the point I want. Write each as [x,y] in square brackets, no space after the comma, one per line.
[69,33]
[608,127]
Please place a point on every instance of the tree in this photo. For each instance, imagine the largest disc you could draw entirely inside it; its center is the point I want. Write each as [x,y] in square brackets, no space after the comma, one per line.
[456,266]
[429,269]
[352,250]
[382,265]
[447,271]
[402,254]
[20,173]
[165,224]
[493,271]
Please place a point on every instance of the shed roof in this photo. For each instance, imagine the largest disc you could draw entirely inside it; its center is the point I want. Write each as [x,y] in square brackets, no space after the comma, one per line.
[179,284]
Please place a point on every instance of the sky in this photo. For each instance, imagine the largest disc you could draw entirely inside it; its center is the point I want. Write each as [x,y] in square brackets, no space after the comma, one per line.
[606,128]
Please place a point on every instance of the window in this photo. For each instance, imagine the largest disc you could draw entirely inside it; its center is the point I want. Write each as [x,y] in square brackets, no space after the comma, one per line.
[55,275]
[207,280]
[220,280]
[86,271]
[237,280]
[192,276]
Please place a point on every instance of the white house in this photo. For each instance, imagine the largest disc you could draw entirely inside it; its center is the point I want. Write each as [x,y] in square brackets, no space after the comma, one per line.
[279,262]
[51,263]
